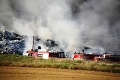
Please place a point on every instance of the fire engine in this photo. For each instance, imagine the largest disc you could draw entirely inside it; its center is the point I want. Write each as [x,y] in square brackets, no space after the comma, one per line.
[107,57]
[44,53]
[83,55]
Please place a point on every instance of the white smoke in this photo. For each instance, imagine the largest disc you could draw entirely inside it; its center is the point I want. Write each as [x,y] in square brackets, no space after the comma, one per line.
[47,20]
[72,23]
[5,15]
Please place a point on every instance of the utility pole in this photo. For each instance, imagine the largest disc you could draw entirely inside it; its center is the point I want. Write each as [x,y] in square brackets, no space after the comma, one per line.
[33,46]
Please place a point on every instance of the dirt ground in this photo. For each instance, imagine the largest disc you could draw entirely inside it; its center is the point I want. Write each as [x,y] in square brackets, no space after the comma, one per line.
[24,73]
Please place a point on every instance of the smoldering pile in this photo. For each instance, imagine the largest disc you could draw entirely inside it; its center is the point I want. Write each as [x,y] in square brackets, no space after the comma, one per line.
[15,43]
[12,42]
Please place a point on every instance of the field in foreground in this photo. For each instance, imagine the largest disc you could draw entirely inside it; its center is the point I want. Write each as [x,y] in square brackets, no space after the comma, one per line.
[25,73]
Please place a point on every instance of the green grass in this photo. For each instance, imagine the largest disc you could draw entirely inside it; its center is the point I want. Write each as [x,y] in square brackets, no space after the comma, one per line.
[25,61]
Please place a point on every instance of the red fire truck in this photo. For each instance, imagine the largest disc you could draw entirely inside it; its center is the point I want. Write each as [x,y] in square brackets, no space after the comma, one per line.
[83,55]
[44,53]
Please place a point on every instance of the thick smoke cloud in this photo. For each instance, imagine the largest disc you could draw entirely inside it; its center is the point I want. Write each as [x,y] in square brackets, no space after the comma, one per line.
[5,15]
[72,23]
[100,19]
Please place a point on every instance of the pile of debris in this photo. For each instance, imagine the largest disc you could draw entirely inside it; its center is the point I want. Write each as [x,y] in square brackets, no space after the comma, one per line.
[11,43]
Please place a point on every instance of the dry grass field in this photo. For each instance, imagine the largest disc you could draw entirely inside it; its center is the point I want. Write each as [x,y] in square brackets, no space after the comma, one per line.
[25,73]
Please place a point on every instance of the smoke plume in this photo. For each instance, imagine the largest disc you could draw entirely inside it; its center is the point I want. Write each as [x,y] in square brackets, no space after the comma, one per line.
[72,23]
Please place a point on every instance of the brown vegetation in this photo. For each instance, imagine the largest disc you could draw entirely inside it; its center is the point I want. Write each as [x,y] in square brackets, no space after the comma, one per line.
[25,73]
